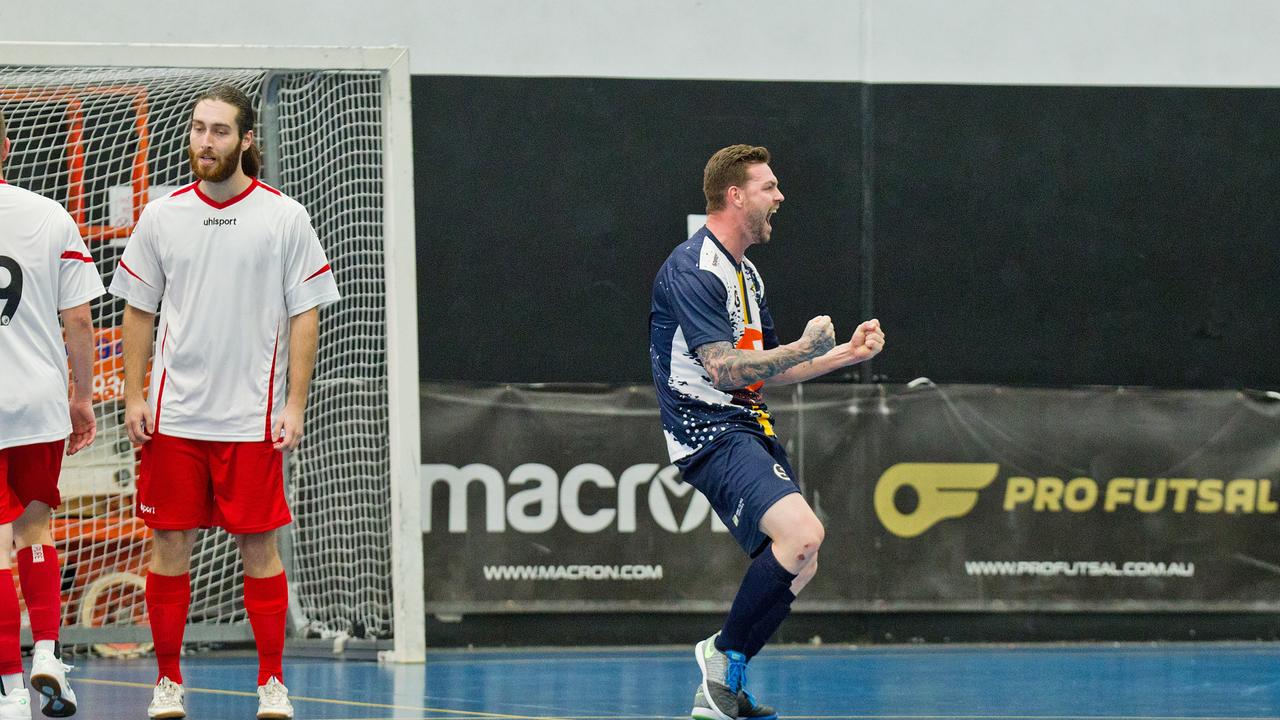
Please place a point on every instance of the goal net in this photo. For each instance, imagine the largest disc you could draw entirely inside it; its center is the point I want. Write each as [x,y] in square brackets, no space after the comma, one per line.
[103,140]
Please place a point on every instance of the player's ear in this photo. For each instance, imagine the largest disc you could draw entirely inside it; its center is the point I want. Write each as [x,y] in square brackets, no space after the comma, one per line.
[247,141]
[4,151]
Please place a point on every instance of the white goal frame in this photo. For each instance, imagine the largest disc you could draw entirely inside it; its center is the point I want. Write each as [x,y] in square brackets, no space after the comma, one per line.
[405,533]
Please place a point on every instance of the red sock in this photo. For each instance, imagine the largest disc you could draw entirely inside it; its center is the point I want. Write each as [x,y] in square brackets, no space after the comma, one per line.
[10,626]
[266,600]
[42,589]
[168,599]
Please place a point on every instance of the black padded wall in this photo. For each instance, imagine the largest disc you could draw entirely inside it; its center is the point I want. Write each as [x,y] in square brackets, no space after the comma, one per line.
[1020,235]
[546,206]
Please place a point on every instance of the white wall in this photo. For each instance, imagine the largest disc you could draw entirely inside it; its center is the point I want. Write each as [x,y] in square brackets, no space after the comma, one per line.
[1122,42]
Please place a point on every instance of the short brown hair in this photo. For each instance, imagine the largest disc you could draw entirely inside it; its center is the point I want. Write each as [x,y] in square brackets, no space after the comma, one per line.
[246,118]
[728,168]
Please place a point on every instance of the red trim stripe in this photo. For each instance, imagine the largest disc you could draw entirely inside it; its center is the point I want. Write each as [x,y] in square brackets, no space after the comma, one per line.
[159,398]
[186,189]
[271,384]
[268,188]
[164,375]
[321,271]
[131,272]
[73,255]
[224,205]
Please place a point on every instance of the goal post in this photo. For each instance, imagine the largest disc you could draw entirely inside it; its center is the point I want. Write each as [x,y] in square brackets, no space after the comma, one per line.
[101,128]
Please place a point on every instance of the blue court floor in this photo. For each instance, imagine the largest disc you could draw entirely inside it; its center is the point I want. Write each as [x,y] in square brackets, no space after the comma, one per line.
[1139,682]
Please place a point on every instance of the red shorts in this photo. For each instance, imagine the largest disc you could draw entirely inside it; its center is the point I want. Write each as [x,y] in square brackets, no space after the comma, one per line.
[187,484]
[29,473]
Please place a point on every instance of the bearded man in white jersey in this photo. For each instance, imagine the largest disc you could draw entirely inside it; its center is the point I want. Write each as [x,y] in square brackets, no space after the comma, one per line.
[239,275]
[45,270]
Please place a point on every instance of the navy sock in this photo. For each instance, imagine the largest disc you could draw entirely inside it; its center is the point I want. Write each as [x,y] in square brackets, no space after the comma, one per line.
[768,625]
[765,584]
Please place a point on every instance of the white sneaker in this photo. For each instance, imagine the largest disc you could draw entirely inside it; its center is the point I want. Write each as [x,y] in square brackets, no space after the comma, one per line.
[16,705]
[166,700]
[273,701]
[49,678]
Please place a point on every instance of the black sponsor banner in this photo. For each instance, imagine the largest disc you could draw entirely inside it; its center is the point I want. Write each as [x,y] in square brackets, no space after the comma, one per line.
[945,498]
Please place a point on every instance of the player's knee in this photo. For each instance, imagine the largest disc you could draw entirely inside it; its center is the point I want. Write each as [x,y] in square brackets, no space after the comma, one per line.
[800,543]
[26,535]
[32,526]
[809,535]
[171,551]
[260,553]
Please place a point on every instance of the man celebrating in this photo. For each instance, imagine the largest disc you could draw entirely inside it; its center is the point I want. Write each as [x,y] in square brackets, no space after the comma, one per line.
[712,348]
[239,275]
[45,270]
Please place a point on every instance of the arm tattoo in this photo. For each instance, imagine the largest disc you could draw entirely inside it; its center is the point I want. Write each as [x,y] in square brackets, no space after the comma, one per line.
[731,368]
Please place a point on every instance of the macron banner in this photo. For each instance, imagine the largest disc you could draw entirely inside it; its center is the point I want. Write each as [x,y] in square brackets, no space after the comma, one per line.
[560,498]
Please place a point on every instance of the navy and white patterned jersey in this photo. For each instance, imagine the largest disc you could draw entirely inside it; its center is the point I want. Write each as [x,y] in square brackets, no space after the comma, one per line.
[701,295]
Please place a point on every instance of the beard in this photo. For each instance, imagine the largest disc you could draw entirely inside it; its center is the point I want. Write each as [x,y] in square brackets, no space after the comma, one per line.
[759,228]
[224,168]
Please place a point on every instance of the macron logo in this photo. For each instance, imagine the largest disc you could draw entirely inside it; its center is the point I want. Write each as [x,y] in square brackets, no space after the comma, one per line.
[219,222]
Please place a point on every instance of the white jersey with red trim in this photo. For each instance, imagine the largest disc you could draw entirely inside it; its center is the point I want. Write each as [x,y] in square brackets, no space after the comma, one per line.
[226,276]
[44,268]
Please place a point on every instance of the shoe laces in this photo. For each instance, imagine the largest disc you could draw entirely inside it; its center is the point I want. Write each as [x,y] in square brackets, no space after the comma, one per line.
[168,691]
[736,674]
[274,692]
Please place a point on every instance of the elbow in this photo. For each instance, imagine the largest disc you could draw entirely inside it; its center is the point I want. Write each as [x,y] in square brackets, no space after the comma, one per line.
[78,319]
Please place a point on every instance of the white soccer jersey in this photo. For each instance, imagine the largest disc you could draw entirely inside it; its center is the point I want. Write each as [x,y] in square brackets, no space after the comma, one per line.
[44,268]
[227,276]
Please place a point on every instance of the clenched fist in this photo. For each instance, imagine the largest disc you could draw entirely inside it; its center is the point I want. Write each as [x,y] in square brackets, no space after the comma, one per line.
[819,335]
[867,341]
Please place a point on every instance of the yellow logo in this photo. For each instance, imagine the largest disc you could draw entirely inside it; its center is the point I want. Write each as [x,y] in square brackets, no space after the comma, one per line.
[942,491]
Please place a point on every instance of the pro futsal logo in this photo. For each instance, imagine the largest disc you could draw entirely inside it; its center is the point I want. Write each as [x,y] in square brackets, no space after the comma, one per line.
[913,497]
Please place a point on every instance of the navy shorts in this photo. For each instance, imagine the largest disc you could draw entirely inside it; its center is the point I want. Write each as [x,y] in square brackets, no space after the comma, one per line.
[742,474]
